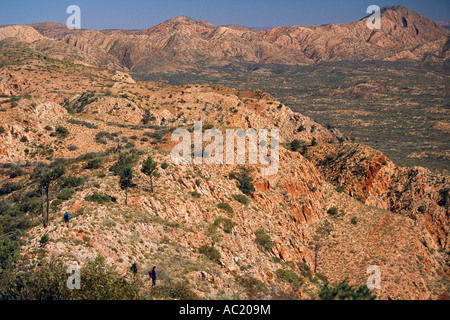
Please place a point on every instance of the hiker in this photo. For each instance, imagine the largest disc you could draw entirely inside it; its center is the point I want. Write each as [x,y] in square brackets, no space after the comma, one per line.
[134,269]
[67,217]
[152,274]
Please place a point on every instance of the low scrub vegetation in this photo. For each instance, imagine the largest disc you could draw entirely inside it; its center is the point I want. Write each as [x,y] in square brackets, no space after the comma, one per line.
[343,291]
[100,198]
[48,282]
[241,198]
[225,206]
[211,252]
[263,239]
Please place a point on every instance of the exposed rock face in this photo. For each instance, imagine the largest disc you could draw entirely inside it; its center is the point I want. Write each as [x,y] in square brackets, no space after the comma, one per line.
[354,41]
[407,27]
[25,34]
[11,83]
[369,176]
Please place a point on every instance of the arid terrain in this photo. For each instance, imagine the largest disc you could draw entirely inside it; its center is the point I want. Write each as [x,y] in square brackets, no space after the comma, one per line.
[363,118]
[374,103]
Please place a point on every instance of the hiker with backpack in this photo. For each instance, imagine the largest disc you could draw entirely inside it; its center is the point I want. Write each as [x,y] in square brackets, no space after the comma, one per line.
[67,218]
[152,274]
[134,269]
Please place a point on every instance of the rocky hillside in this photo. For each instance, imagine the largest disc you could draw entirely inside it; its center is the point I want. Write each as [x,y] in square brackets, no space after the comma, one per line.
[205,224]
[367,175]
[182,43]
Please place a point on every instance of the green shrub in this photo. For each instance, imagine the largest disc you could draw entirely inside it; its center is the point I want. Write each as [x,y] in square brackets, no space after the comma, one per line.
[195,194]
[263,239]
[55,203]
[70,109]
[72,148]
[12,219]
[83,123]
[101,137]
[72,182]
[325,229]
[164,165]
[90,155]
[178,291]
[253,286]
[5,207]
[94,163]
[30,205]
[10,187]
[305,270]
[9,255]
[2,130]
[78,105]
[147,117]
[289,276]
[44,240]
[225,206]
[66,194]
[444,201]
[101,175]
[62,132]
[354,220]
[125,159]
[210,252]
[245,184]
[233,175]
[241,198]
[298,145]
[343,291]
[227,224]
[16,172]
[321,277]
[49,282]
[333,211]
[100,198]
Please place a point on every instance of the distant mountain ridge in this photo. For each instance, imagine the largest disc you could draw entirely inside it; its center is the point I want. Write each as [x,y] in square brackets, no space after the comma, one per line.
[183,42]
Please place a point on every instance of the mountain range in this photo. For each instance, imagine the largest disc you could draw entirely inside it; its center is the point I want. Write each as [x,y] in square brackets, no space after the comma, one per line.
[183,42]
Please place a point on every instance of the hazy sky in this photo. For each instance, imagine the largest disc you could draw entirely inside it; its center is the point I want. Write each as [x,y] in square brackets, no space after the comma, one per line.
[141,14]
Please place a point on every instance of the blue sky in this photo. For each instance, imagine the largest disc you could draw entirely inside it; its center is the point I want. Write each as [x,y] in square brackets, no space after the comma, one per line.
[141,14]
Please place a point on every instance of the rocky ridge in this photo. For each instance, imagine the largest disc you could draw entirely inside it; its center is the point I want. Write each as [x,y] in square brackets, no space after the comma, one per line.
[169,226]
[182,43]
